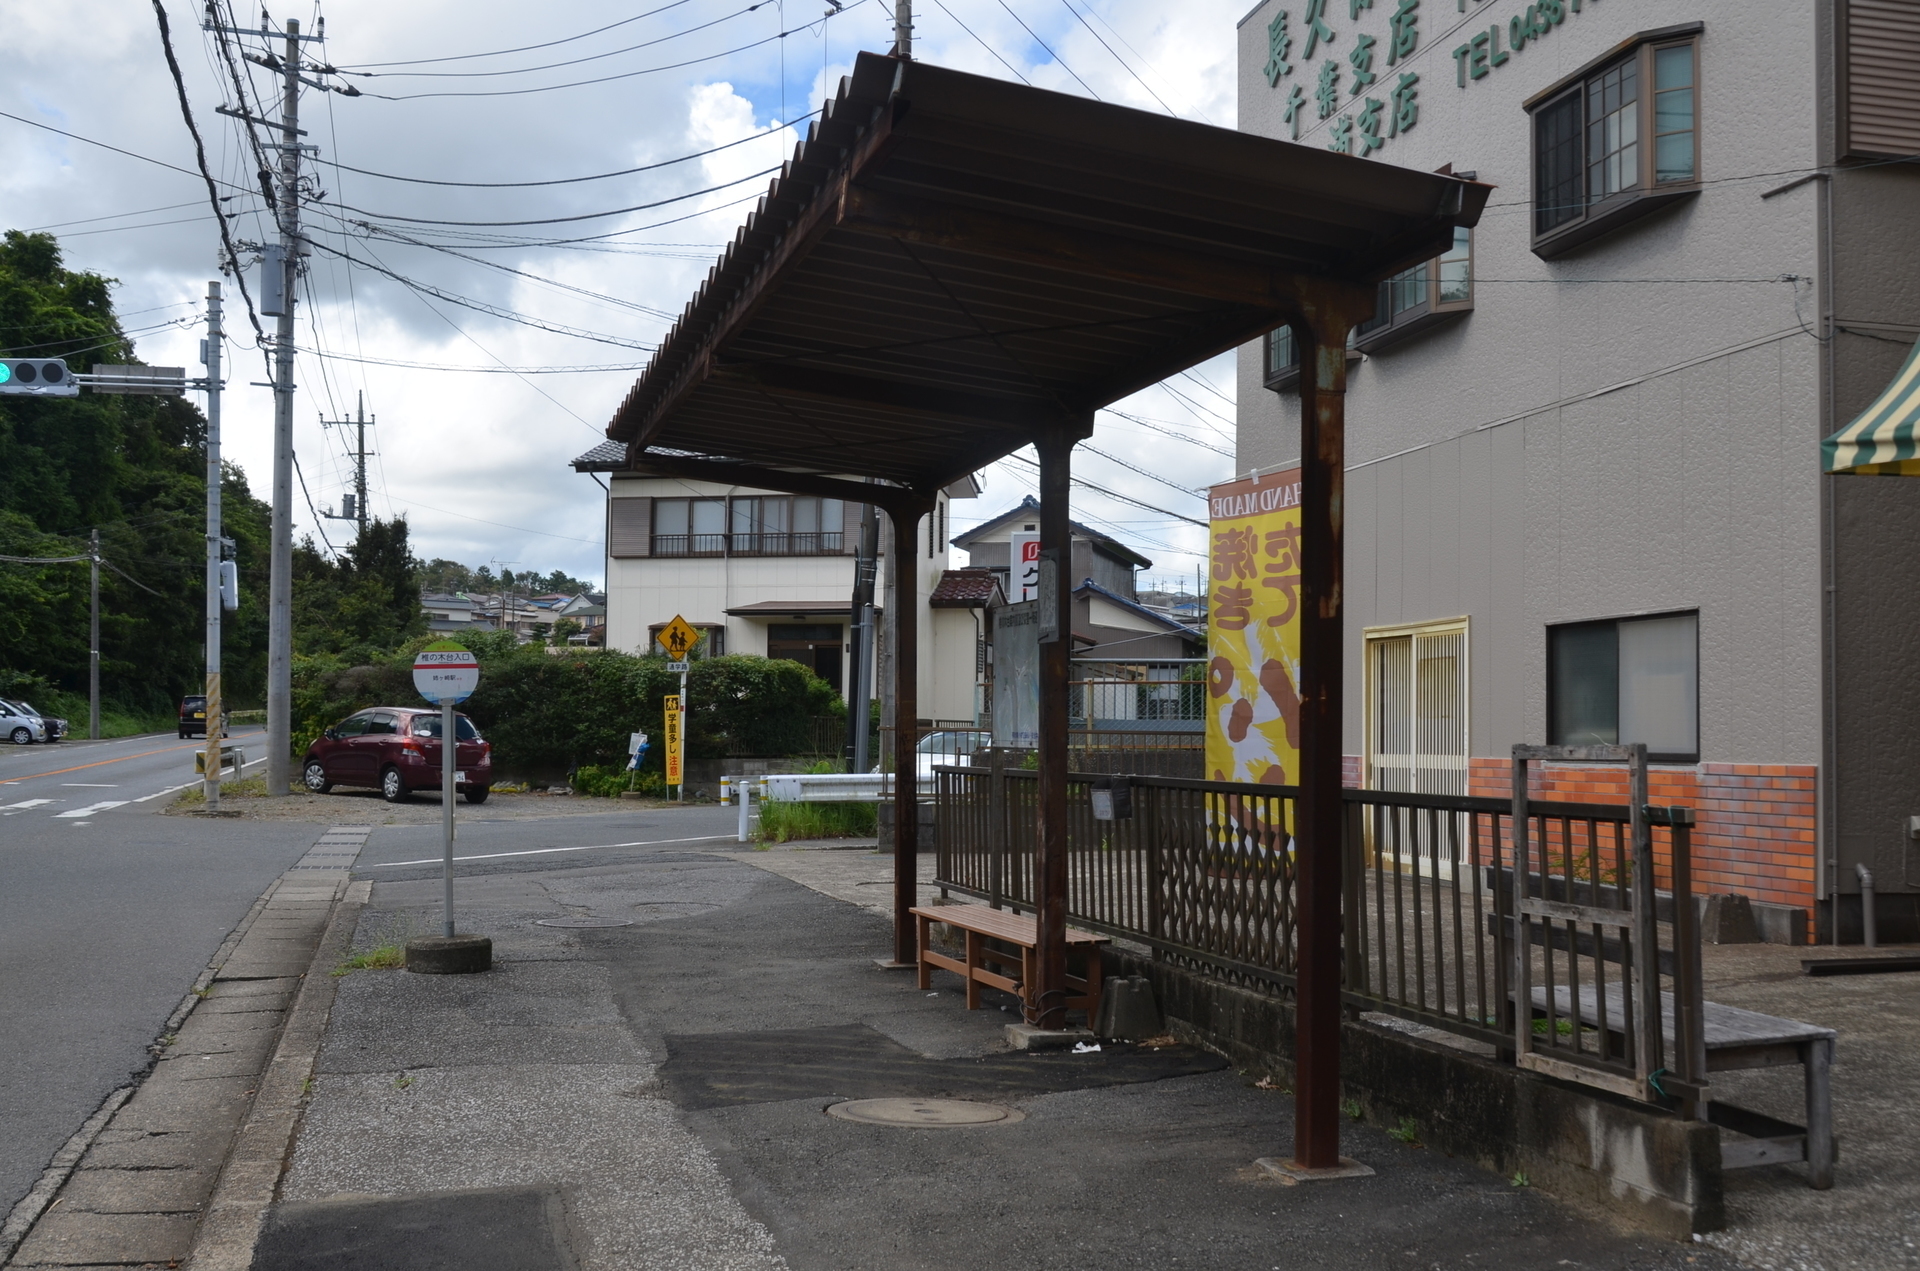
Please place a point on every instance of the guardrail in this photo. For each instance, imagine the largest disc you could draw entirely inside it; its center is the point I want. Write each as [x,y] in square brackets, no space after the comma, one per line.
[810,787]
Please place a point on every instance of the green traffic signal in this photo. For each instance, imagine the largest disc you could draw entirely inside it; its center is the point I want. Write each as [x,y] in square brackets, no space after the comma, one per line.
[6,372]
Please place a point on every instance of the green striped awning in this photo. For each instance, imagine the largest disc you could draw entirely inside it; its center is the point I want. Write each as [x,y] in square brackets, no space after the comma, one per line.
[1885,440]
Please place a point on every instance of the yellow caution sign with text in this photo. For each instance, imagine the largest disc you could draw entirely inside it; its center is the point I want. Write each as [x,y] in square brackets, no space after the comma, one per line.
[673,739]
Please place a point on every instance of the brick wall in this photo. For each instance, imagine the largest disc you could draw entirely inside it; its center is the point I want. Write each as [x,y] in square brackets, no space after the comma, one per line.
[1754,826]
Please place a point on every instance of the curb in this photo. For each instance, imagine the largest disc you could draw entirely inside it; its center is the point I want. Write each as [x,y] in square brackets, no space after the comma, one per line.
[251,1176]
[27,1212]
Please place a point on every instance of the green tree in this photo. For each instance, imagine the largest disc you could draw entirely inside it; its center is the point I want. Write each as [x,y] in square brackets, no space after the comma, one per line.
[132,467]
[366,604]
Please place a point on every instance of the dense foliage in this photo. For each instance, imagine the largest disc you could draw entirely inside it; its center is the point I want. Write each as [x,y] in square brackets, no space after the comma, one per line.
[134,467]
[547,714]
[362,606]
[442,575]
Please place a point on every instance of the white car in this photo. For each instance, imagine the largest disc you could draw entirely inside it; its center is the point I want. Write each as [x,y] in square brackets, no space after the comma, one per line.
[20,724]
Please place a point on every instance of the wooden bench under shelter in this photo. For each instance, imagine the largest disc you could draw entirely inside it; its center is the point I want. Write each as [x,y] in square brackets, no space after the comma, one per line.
[1738,1039]
[981,924]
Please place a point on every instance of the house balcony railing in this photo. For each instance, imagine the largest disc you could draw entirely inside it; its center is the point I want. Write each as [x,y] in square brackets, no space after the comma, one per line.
[762,544]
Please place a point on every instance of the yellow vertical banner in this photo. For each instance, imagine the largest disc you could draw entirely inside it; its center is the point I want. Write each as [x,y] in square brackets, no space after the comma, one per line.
[1253,630]
[673,739]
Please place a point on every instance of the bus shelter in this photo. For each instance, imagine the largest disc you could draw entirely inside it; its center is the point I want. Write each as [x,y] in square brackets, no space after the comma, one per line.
[951,267]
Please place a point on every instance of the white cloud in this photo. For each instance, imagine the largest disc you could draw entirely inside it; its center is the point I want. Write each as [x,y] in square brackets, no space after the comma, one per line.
[467,456]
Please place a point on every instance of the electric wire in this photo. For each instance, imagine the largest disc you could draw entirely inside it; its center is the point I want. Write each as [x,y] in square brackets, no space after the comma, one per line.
[982,43]
[1061,62]
[633,305]
[554,66]
[525,48]
[1115,494]
[114,216]
[606,79]
[565,220]
[1123,61]
[598,176]
[1132,467]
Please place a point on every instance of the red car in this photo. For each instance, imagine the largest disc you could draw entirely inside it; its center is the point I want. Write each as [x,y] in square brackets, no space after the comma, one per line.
[396,750]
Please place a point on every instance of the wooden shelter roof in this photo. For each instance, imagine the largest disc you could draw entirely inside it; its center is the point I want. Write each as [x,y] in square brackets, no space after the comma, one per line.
[951,263]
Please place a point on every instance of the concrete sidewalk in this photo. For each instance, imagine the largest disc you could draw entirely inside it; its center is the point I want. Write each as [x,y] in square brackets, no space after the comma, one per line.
[652,1096]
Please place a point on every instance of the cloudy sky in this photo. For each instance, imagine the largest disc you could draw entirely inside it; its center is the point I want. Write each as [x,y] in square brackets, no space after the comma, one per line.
[475,457]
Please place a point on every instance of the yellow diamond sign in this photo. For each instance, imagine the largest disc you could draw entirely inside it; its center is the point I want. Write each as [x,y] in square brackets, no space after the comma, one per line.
[678,638]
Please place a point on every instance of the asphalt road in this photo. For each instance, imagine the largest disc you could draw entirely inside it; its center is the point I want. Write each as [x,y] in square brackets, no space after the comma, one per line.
[107,913]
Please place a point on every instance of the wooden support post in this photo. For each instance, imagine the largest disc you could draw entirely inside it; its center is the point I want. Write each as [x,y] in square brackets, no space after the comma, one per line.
[905,514]
[1328,311]
[1046,1000]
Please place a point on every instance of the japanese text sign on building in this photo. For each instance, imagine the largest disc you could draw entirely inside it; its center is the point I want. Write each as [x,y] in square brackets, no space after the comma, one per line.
[1253,630]
[678,638]
[1024,551]
[443,672]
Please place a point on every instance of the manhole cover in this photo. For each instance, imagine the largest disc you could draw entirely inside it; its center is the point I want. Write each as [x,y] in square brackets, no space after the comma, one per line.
[938,1114]
[583,922]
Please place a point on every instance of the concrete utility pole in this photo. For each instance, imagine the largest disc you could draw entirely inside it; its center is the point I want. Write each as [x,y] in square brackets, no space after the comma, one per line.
[358,512]
[211,786]
[280,587]
[93,640]
[903,28]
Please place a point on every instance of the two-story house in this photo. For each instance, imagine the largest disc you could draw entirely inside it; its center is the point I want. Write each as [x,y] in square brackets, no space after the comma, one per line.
[755,571]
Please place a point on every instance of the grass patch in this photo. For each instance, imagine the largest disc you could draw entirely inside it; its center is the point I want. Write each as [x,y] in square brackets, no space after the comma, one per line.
[782,822]
[247,787]
[1352,1109]
[387,957]
[608,782]
[1408,1132]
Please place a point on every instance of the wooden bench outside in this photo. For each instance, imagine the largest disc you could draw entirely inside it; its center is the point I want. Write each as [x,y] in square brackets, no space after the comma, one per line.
[1737,1039]
[980,924]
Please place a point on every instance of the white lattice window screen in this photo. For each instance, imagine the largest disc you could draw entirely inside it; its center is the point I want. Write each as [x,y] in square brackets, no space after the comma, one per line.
[1417,703]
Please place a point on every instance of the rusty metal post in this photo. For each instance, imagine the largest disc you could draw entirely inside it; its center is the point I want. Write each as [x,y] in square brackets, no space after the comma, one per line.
[1046,1004]
[905,515]
[1328,312]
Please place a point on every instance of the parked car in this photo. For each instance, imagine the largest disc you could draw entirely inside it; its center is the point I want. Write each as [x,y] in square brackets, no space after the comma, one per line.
[946,749]
[396,750]
[193,716]
[22,725]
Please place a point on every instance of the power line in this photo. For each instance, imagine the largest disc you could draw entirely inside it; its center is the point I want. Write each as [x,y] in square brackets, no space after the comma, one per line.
[1151,476]
[481,306]
[554,66]
[634,305]
[982,43]
[1152,426]
[1050,53]
[1116,57]
[200,159]
[598,176]
[525,48]
[606,79]
[565,220]
[1115,494]
[171,207]
[476,370]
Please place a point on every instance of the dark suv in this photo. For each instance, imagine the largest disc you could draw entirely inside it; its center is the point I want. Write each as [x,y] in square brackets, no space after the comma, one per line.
[396,750]
[193,716]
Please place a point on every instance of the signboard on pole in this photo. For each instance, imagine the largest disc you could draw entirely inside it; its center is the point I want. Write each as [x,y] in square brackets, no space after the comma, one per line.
[445,672]
[673,739]
[1023,553]
[1253,630]
[678,638]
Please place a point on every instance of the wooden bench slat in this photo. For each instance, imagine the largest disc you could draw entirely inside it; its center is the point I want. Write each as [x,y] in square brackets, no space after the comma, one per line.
[999,924]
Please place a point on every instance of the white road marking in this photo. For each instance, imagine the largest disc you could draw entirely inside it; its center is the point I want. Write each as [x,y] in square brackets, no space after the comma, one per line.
[12,808]
[91,785]
[544,851]
[92,808]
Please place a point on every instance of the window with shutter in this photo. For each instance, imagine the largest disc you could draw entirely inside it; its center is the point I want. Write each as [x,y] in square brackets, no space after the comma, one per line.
[629,528]
[1881,65]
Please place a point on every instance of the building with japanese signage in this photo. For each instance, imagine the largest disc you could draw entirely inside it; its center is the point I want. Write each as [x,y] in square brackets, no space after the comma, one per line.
[1584,497]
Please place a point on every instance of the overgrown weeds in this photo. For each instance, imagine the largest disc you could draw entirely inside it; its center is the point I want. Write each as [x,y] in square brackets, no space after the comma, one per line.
[783,822]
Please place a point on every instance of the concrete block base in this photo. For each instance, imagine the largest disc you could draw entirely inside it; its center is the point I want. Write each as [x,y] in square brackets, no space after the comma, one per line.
[1028,1037]
[1294,1172]
[449,955]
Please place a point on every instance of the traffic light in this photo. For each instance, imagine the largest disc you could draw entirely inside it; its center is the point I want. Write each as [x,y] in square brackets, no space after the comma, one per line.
[36,377]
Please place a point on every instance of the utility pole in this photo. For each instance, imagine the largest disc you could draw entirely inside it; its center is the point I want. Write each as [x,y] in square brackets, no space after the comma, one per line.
[93,640]
[358,512]
[903,29]
[860,662]
[211,785]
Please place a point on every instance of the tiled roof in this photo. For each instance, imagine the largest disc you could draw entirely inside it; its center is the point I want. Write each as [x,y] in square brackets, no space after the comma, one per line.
[608,456]
[964,589]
